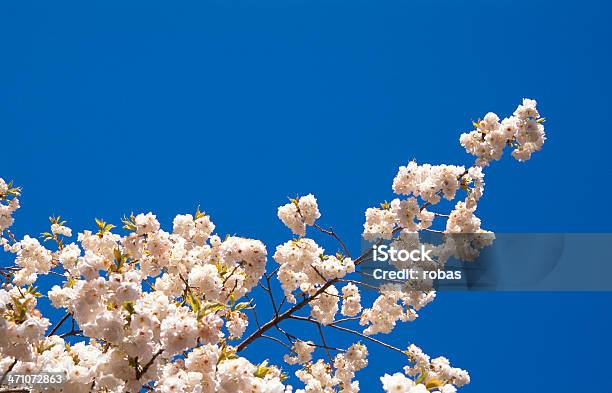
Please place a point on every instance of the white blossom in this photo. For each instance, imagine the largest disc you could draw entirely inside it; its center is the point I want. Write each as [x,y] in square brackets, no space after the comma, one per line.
[57,229]
[303,352]
[523,131]
[163,308]
[325,307]
[298,213]
[146,223]
[351,300]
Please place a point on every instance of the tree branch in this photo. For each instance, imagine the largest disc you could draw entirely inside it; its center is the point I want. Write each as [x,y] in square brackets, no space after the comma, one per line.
[331,361]
[140,373]
[57,326]
[281,317]
[331,232]
[8,370]
[384,344]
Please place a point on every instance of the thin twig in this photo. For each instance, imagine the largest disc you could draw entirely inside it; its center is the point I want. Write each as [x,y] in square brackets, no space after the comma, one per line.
[57,326]
[290,337]
[255,316]
[331,232]
[277,341]
[231,273]
[331,361]
[281,317]
[140,373]
[359,283]
[344,320]
[280,306]
[73,333]
[384,344]
[8,370]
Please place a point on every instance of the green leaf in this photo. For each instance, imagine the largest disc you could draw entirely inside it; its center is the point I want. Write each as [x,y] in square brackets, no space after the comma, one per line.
[129,223]
[194,302]
[433,383]
[211,307]
[262,369]
[243,306]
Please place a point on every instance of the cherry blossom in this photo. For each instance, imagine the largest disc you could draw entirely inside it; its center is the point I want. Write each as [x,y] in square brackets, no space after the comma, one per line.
[171,310]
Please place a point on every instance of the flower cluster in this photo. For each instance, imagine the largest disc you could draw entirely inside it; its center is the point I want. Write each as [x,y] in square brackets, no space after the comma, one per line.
[325,307]
[33,258]
[351,300]
[105,297]
[22,325]
[346,364]
[438,369]
[237,323]
[429,375]
[303,352]
[9,203]
[429,182]
[241,376]
[386,311]
[462,220]
[163,310]
[60,230]
[298,213]
[319,377]
[523,131]
[304,266]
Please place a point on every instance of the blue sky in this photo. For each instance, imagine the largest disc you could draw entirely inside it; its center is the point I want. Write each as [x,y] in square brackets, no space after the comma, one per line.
[108,108]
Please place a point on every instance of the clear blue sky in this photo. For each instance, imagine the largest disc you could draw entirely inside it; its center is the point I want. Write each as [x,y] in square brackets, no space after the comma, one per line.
[111,107]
